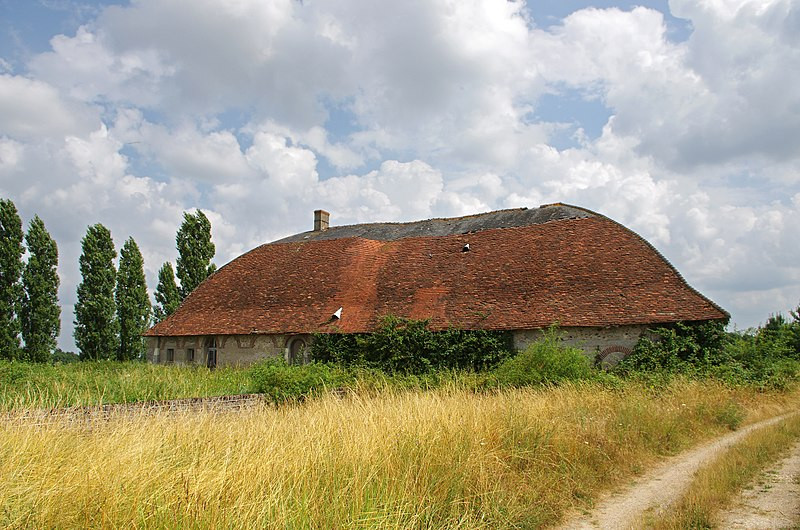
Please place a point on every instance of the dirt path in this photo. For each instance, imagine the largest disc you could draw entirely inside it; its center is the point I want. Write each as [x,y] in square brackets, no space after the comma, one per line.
[658,488]
[773,502]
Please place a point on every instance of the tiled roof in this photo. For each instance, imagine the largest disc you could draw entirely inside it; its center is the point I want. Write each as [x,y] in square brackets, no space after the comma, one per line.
[577,270]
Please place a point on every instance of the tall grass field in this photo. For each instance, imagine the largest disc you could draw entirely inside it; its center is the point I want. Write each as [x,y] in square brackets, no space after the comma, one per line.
[46,386]
[447,458]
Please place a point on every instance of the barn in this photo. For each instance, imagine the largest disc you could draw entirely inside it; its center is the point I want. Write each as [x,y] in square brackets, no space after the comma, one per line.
[518,270]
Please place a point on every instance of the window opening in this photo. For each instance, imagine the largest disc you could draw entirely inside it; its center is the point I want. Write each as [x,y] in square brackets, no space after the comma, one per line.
[211,355]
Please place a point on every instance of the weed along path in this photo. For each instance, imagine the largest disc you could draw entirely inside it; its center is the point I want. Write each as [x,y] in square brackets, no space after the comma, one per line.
[773,502]
[660,487]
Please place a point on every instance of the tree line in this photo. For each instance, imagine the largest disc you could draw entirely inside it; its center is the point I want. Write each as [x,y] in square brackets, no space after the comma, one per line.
[113,307]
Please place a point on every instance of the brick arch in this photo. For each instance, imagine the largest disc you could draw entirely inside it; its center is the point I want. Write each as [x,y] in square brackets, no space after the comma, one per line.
[607,359]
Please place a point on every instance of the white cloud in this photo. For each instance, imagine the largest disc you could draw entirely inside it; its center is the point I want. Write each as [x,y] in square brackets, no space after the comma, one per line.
[451,78]
[287,167]
[82,180]
[10,153]
[86,68]
[717,98]
[397,191]
[338,154]
[31,109]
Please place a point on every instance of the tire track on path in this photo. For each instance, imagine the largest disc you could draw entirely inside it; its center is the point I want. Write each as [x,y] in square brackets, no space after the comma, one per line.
[773,502]
[659,487]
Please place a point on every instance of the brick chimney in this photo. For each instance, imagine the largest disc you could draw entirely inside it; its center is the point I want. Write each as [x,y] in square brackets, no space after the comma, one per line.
[321,220]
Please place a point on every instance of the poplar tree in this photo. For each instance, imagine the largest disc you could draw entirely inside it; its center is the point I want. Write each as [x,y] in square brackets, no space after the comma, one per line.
[95,323]
[11,251]
[168,297]
[41,314]
[133,302]
[195,251]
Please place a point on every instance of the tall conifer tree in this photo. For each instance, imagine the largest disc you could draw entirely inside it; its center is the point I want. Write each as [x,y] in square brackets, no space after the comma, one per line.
[195,251]
[133,303]
[168,297]
[11,251]
[41,314]
[95,322]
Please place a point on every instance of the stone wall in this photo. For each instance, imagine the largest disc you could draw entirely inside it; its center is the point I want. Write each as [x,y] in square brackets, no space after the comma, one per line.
[231,349]
[606,345]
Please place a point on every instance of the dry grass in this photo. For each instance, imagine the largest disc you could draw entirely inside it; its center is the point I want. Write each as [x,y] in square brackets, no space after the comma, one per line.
[715,485]
[446,458]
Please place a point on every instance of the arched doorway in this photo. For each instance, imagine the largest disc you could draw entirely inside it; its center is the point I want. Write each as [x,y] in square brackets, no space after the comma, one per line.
[297,351]
[211,352]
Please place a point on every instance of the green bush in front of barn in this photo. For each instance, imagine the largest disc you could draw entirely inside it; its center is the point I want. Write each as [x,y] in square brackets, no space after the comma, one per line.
[545,361]
[402,345]
[767,357]
[678,348]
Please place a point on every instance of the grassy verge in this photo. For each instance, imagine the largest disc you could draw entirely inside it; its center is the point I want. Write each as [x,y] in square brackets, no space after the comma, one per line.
[25,385]
[448,458]
[716,484]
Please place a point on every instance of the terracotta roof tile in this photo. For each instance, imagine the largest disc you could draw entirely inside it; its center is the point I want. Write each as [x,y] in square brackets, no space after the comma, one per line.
[578,271]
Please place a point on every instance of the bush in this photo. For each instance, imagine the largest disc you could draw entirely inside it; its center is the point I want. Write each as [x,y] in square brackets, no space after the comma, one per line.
[766,358]
[13,372]
[64,357]
[547,360]
[281,381]
[408,346]
[340,348]
[679,348]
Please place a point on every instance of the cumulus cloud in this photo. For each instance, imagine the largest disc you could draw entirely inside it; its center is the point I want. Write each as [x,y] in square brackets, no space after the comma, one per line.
[32,109]
[716,98]
[85,67]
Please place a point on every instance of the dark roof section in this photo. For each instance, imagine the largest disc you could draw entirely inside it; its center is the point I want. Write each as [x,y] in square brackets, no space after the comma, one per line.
[446,226]
[574,267]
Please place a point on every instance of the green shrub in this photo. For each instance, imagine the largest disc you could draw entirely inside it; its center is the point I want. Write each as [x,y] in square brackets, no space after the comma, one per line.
[765,358]
[547,360]
[13,372]
[64,357]
[281,381]
[340,348]
[678,348]
[408,346]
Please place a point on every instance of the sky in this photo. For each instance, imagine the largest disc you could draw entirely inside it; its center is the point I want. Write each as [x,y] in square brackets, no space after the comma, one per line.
[679,119]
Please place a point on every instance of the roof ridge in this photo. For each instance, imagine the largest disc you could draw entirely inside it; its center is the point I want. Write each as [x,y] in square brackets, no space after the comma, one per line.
[401,223]
[436,226]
